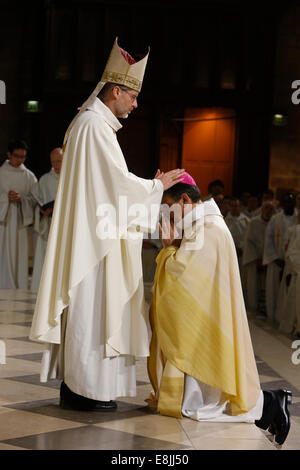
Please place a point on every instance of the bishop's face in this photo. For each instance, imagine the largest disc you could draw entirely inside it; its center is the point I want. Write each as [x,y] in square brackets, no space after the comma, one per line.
[127,101]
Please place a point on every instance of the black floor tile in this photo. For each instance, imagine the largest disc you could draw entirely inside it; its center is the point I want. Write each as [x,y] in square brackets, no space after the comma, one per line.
[91,438]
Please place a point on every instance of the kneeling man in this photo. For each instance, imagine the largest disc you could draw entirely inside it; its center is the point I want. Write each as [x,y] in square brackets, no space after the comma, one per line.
[201,362]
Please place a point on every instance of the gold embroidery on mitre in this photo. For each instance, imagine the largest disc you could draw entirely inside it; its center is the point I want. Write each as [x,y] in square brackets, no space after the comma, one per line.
[119,71]
[122,79]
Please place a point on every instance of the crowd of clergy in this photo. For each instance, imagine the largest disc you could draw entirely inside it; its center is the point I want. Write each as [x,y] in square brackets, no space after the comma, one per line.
[266,233]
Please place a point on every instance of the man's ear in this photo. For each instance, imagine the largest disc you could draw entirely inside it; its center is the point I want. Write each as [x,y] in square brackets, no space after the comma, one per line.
[116,91]
[186,199]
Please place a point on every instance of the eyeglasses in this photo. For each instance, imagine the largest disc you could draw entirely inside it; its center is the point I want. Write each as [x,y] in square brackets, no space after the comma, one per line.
[133,97]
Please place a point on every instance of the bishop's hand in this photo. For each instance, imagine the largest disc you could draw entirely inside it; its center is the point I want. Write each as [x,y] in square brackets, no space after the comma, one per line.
[170,178]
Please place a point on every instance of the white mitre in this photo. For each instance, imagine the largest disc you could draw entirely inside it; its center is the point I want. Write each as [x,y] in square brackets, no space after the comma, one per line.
[120,69]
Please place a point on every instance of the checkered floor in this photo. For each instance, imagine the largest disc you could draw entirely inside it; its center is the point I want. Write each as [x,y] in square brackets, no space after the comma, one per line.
[30,417]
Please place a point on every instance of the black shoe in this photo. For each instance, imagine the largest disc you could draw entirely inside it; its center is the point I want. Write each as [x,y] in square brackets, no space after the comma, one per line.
[281,423]
[72,401]
[276,416]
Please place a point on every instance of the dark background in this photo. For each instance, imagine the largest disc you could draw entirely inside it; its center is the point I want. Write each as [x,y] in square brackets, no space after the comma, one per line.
[55,52]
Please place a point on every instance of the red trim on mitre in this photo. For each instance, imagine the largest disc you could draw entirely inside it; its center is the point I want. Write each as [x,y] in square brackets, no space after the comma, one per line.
[127,56]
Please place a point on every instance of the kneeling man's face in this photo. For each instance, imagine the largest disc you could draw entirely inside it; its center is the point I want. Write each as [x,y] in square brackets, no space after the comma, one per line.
[179,208]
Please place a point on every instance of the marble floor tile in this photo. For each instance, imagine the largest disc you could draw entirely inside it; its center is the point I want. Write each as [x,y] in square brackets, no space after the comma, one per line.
[4,446]
[16,306]
[142,393]
[162,427]
[222,430]
[23,423]
[50,407]
[7,316]
[34,379]
[18,367]
[34,357]
[90,438]
[13,331]
[218,443]
[14,347]
[16,392]
[266,378]
[11,294]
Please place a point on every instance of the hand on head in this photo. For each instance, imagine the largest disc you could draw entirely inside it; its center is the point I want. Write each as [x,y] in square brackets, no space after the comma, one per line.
[170,178]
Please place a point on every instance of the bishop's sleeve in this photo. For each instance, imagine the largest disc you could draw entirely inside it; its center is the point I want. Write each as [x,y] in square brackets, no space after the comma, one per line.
[134,202]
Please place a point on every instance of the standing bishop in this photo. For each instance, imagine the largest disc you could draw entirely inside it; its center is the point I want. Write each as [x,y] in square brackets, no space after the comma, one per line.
[90,307]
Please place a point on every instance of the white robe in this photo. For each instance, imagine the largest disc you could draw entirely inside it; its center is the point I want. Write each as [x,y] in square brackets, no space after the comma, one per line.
[238,226]
[253,251]
[202,402]
[81,268]
[14,221]
[46,191]
[251,214]
[274,248]
[290,313]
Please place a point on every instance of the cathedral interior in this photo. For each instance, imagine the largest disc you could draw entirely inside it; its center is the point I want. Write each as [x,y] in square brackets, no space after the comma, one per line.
[219,99]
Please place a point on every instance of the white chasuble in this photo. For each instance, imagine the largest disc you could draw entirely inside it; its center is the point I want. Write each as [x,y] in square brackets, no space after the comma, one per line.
[93,178]
[15,217]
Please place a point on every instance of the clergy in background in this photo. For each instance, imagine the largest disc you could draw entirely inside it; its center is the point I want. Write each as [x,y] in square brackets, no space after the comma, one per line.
[289,320]
[16,214]
[237,222]
[201,362]
[46,191]
[274,255]
[90,307]
[254,271]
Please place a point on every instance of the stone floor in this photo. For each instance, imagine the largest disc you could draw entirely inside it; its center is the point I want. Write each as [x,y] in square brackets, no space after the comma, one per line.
[30,418]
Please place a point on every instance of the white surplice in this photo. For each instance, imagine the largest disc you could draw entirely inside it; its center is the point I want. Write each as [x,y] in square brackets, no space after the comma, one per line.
[15,217]
[238,226]
[253,251]
[46,191]
[90,306]
[274,248]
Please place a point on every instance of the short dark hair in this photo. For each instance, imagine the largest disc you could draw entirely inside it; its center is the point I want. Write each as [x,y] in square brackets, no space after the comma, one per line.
[108,87]
[179,189]
[17,144]
[215,183]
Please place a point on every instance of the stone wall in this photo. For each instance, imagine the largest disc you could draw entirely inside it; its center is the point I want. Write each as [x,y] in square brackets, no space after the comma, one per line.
[284,167]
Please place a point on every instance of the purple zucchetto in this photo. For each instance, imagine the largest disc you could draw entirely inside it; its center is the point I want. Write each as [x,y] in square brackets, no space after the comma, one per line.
[188,179]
